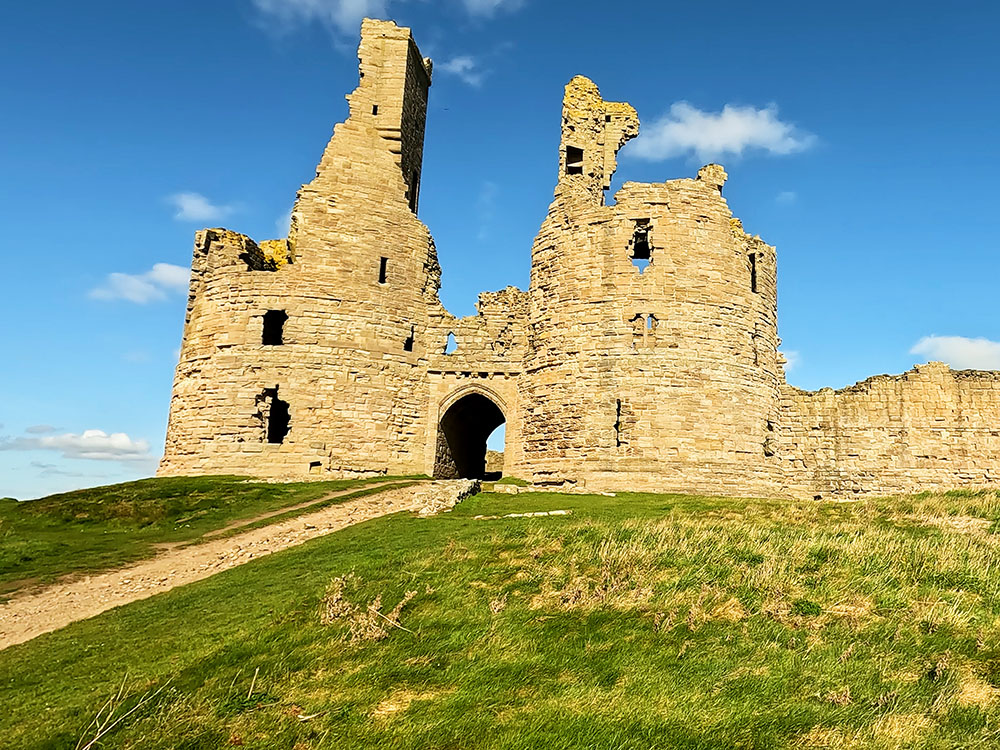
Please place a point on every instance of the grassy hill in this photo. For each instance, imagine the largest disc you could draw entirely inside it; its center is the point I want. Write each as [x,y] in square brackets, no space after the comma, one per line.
[107,527]
[639,621]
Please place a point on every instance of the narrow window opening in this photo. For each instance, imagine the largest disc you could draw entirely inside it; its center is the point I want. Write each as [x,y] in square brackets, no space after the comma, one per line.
[374,109]
[618,423]
[753,272]
[574,160]
[274,328]
[315,466]
[642,247]
[408,344]
[651,323]
[769,442]
[278,417]
[638,329]
[451,345]
[383,269]
[607,118]
[414,190]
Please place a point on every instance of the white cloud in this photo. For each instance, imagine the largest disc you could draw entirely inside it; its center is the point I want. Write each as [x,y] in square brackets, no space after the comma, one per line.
[196,207]
[465,67]
[95,445]
[155,284]
[344,15]
[786,197]
[959,352]
[711,135]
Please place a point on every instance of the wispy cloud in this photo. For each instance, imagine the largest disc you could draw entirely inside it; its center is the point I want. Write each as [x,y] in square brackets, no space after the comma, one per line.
[465,67]
[786,197]
[488,8]
[155,284]
[51,470]
[137,357]
[95,445]
[196,207]
[792,359]
[960,352]
[486,209]
[344,16]
[40,429]
[687,130]
[284,223]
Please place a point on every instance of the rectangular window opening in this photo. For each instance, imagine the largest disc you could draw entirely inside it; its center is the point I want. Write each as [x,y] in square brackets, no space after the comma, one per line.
[618,424]
[642,246]
[383,270]
[574,160]
[753,272]
[408,344]
[374,109]
[273,333]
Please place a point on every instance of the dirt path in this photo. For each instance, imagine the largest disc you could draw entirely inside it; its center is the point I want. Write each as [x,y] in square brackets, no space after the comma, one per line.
[301,506]
[24,617]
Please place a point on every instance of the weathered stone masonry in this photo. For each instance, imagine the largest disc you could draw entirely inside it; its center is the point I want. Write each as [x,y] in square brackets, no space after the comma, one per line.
[643,356]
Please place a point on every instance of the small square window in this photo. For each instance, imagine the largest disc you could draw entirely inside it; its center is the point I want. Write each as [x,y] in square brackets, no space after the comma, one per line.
[574,160]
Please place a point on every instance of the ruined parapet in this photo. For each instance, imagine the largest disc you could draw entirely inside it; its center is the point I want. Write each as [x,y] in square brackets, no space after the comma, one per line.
[593,131]
[388,112]
[931,428]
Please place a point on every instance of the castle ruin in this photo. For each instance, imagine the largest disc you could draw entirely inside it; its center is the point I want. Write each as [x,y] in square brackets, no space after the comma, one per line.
[644,355]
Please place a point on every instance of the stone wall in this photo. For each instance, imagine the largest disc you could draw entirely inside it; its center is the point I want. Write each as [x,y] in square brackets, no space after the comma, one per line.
[929,429]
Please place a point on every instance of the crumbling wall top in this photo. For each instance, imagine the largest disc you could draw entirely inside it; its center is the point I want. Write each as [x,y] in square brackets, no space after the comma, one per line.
[593,131]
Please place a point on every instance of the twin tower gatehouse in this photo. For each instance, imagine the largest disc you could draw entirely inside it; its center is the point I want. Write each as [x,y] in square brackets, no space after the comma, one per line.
[644,355]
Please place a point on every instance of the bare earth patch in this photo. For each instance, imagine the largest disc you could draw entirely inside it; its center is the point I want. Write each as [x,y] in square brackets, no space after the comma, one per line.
[25,617]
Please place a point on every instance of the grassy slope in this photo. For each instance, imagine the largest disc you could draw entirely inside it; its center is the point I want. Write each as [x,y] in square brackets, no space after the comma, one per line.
[106,527]
[637,622]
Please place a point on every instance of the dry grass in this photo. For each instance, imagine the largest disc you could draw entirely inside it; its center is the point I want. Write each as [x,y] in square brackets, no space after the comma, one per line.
[364,622]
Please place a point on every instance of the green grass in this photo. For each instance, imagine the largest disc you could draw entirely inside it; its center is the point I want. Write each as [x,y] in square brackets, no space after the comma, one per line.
[514,481]
[636,622]
[106,527]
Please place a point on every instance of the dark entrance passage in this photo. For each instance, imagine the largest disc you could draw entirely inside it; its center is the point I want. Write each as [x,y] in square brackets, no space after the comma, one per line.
[462,434]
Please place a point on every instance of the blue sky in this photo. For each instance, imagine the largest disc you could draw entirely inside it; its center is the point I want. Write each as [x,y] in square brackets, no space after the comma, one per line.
[860,139]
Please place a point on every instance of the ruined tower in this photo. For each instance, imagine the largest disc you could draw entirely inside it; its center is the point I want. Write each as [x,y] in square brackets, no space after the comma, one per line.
[652,330]
[301,354]
[644,355]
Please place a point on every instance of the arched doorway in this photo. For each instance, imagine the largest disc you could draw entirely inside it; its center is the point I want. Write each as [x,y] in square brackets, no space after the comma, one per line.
[463,428]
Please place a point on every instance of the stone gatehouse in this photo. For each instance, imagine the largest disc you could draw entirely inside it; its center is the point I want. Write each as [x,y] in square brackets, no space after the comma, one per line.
[644,355]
